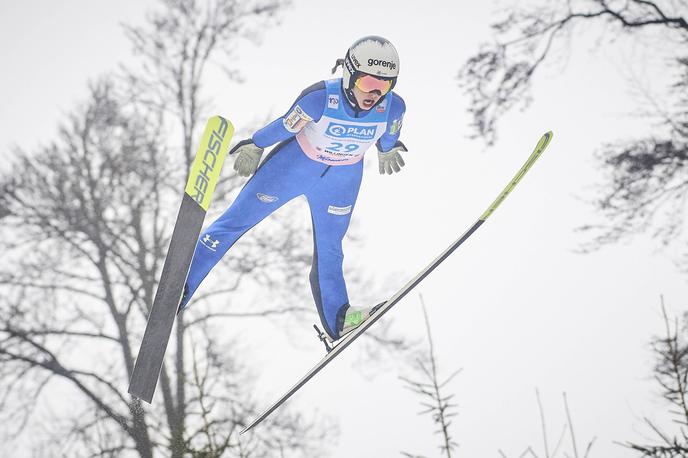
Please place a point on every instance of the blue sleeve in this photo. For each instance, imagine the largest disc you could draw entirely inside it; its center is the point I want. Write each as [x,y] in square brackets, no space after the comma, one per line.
[395,119]
[309,106]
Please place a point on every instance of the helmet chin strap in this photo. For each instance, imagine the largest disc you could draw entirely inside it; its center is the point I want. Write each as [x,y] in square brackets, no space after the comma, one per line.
[349,94]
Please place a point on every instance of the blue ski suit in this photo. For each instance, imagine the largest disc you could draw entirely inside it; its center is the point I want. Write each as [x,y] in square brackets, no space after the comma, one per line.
[322,142]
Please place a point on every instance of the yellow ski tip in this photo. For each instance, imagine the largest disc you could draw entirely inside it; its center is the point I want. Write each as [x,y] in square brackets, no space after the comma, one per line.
[544,140]
[539,149]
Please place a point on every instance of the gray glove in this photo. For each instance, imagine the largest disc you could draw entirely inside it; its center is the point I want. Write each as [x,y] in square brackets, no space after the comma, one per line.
[247,161]
[391,161]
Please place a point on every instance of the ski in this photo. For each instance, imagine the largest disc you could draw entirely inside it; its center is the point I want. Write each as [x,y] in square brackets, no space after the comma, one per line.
[345,341]
[199,189]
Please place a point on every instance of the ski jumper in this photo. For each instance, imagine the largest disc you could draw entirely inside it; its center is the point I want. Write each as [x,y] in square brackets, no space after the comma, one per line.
[322,140]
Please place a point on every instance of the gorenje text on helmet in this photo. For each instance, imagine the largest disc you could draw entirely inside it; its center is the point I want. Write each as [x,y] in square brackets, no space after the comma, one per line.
[382,63]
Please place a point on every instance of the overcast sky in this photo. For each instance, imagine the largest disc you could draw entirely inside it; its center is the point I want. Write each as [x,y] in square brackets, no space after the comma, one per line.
[515,307]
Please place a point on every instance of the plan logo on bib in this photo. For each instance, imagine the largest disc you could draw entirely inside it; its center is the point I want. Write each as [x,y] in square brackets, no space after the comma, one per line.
[340,130]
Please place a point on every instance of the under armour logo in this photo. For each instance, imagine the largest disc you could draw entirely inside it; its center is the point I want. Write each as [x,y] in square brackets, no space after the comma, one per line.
[210,243]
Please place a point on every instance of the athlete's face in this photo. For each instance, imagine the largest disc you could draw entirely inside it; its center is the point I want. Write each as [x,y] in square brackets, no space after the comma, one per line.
[366,100]
[368,89]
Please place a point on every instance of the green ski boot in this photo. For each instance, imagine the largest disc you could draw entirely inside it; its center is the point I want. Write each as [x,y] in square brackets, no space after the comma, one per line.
[354,317]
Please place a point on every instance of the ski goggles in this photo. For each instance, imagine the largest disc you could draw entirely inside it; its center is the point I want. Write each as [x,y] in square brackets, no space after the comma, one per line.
[368,83]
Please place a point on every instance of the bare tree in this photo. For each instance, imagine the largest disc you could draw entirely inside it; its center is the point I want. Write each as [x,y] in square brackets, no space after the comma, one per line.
[180,42]
[645,187]
[96,206]
[436,403]
[548,451]
[671,373]
[92,205]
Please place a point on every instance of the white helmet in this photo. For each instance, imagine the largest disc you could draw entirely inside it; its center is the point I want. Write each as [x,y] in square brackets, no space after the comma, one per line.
[371,55]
